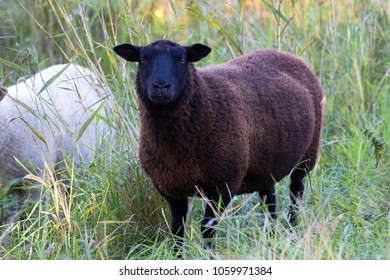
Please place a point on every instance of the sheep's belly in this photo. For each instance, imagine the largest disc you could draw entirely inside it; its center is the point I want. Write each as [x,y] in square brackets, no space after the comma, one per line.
[176,186]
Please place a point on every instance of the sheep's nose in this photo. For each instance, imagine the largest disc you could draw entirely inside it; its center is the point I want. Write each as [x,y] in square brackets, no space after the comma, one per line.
[161,86]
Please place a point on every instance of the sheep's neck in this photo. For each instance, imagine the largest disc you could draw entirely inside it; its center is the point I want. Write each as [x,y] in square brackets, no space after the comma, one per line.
[176,129]
[180,128]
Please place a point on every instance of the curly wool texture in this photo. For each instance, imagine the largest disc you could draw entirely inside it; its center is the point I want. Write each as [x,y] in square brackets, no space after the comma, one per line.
[40,119]
[236,128]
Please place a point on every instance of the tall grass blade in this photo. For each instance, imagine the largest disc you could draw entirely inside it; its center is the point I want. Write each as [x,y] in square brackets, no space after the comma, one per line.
[52,79]
[88,122]
[275,11]
[33,130]
[308,44]
[14,66]
[215,24]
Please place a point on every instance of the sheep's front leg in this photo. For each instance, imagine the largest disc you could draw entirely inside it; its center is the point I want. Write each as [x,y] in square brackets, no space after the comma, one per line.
[179,208]
[269,199]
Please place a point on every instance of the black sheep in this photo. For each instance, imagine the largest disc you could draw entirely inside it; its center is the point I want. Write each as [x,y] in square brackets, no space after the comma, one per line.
[229,129]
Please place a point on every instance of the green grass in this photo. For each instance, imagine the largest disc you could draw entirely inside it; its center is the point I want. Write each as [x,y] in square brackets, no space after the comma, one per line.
[114,213]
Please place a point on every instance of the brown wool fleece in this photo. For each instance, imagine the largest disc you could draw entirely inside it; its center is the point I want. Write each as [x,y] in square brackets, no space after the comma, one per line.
[239,126]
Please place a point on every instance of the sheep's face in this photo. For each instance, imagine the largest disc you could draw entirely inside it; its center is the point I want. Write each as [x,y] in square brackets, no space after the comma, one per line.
[162,67]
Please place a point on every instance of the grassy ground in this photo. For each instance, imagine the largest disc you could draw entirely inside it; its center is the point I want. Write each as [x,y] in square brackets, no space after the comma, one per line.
[114,213]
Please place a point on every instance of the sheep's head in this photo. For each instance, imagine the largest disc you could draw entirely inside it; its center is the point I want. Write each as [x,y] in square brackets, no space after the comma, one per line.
[162,67]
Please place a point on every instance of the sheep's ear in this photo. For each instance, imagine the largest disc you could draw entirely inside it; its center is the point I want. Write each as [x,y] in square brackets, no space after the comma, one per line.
[128,52]
[196,52]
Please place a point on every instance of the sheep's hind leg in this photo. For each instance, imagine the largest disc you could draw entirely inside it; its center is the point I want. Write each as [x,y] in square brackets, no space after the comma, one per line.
[296,191]
[269,199]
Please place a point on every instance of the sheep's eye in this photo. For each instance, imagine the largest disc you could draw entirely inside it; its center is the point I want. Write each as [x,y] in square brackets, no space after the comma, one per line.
[142,59]
[182,60]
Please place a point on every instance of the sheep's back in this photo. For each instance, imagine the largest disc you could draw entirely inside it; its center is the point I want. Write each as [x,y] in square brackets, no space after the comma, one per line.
[275,109]
[42,117]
